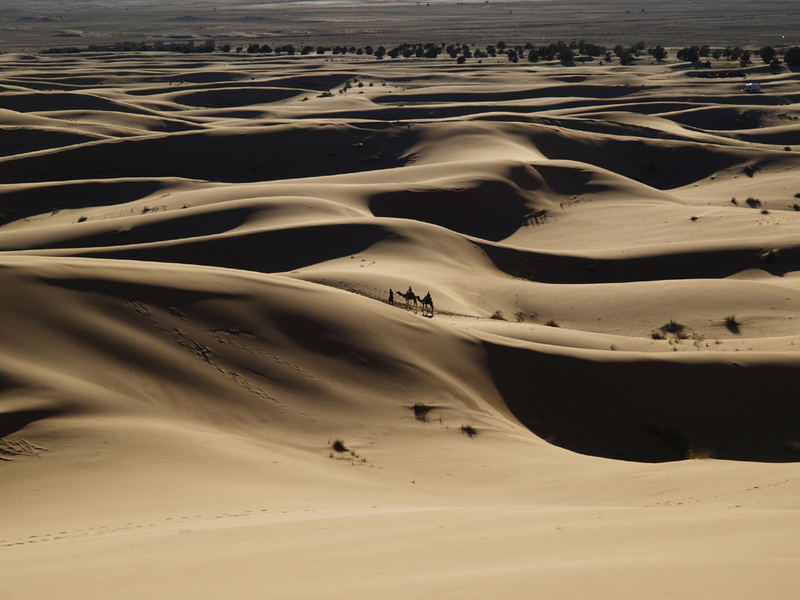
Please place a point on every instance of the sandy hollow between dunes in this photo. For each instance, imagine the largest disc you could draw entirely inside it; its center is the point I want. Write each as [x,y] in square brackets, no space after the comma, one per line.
[195,260]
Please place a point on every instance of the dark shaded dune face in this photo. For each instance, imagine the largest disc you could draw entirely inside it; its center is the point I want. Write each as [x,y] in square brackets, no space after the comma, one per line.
[32,139]
[52,81]
[26,201]
[272,251]
[229,97]
[566,180]
[150,221]
[557,268]
[651,410]
[314,81]
[177,226]
[492,210]
[44,101]
[566,91]
[663,164]
[729,119]
[207,76]
[14,420]
[253,154]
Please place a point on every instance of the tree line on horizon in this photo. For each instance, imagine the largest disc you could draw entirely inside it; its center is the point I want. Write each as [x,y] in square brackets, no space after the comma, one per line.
[565,52]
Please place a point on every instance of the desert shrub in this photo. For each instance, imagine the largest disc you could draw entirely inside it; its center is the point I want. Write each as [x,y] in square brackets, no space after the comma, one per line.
[659,53]
[656,335]
[745,59]
[689,54]
[566,56]
[591,49]
[551,323]
[498,316]
[469,431]
[627,58]
[734,202]
[338,446]
[767,53]
[753,202]
[732,324]
[421,411]
[751,170]
[81,219]
[673,327]
[792,56]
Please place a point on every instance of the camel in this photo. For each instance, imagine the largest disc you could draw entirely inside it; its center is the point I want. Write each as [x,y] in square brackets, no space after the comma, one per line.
[410,297]
[427,304]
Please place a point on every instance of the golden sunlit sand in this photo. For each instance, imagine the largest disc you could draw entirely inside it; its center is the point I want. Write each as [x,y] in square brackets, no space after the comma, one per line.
[205,392]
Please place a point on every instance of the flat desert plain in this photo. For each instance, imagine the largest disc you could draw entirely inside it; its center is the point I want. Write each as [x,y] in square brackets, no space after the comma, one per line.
[205,392]
[36,24]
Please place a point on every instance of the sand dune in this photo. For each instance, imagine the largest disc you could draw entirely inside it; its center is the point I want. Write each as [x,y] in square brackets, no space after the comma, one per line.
[196,257]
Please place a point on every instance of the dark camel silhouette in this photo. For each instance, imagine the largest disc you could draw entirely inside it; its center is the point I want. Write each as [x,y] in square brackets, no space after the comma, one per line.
[427,304]
[410,297]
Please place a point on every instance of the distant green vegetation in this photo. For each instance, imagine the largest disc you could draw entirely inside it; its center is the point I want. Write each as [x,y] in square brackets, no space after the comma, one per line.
[565,52]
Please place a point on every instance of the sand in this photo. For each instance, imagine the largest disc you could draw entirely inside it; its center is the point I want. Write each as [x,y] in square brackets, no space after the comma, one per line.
[196,254]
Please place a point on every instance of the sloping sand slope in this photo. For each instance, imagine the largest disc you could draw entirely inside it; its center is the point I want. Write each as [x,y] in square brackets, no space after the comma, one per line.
[195,262]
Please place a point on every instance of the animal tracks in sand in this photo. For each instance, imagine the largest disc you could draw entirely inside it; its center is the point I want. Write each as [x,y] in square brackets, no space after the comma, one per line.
[11,447]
